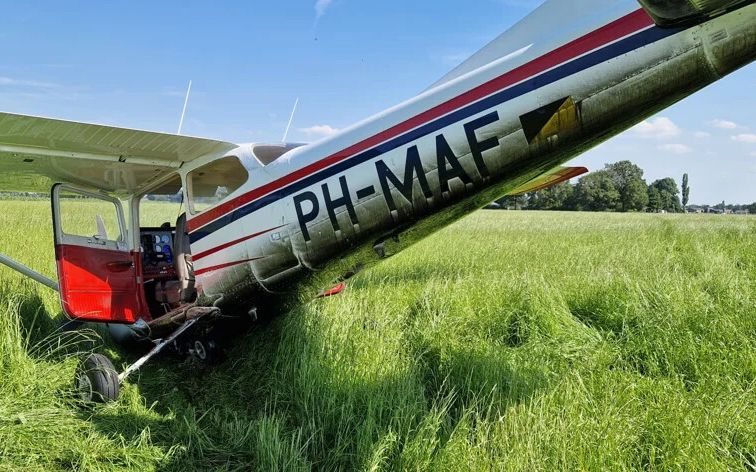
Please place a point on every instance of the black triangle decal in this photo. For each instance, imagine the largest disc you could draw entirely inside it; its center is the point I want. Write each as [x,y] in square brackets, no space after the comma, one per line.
[534,121]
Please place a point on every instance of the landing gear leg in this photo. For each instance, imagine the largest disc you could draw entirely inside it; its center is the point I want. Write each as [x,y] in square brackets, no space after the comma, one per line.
[97,379]
[155,350]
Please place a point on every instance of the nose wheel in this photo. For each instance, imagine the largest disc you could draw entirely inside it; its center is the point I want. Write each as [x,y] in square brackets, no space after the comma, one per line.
[97,380]
[205,350]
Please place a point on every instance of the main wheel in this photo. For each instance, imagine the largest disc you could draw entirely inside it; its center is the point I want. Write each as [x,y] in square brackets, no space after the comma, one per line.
[206,351]
[97,380]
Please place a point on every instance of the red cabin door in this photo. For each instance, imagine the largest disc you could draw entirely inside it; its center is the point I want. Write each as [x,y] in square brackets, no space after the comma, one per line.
[97,271]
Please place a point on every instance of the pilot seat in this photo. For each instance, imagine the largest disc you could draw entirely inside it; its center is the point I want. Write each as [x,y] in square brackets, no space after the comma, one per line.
[180,290]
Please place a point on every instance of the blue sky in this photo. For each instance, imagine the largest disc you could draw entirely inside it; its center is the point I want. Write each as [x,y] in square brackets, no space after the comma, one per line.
[128,64]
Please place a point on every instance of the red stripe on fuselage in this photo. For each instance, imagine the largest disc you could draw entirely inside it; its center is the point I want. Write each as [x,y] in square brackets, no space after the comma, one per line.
[232,243]
[611,32]
[223,266]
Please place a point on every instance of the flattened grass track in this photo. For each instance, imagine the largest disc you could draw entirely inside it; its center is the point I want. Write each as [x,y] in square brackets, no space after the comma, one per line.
[509,341]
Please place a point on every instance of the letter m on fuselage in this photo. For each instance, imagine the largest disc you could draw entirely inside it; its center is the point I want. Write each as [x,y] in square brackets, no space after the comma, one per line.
[413,169]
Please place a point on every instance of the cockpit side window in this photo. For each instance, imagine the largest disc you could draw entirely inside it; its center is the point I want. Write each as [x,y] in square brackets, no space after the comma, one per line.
[210,184]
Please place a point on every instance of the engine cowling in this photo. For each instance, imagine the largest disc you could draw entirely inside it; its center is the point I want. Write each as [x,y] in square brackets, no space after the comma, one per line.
[672,12]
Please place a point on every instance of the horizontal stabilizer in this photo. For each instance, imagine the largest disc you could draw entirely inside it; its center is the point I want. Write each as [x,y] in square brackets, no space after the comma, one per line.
[549,179]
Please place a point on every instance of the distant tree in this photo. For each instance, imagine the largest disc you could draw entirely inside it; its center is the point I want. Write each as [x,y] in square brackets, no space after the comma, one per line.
[668,190]
[654,199]
[507,202]
[685,191]
[521,202]
[516,202]
[628,181]
[535,200]
[752,208]
[557,197]
[596,192]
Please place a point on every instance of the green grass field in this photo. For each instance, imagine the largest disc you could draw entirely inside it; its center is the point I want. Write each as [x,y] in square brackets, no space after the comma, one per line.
[509,341]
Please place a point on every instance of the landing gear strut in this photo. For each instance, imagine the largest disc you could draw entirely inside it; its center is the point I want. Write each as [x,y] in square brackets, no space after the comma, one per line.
[98,381]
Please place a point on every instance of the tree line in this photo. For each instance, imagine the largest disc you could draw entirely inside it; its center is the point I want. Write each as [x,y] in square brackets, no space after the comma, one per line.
[619,187]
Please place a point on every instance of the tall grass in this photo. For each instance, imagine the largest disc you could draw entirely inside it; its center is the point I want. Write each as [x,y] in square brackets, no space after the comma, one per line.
[509,341]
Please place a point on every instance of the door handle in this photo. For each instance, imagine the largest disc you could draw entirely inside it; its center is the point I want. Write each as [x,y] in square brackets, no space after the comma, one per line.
[120,266]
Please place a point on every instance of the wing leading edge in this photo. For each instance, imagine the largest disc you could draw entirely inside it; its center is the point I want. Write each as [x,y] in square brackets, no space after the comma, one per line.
[37,152]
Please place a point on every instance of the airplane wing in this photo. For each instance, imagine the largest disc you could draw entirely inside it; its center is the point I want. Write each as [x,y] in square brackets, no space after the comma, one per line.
[549,179]
[36,153]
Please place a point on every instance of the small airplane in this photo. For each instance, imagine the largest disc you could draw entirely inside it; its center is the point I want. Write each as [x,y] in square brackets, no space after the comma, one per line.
[263,220]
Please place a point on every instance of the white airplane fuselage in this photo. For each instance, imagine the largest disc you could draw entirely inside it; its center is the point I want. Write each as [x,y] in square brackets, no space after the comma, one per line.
[568,77]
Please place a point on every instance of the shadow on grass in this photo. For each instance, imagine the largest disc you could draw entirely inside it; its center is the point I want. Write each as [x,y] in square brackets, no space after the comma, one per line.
[421,274]
[468,374]
[37,323]
[52,337]
[273,403]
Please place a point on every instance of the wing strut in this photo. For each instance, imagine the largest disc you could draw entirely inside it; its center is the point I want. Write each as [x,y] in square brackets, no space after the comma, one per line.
[32,274]
[291,120]
[183,112]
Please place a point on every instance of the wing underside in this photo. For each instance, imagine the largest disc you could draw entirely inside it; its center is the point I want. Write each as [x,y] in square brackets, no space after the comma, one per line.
[36,153]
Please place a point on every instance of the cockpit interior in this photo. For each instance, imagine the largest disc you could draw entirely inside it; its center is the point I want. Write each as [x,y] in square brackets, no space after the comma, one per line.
[167,270]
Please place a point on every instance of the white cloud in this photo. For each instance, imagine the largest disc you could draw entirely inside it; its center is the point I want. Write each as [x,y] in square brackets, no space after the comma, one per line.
[745,138]
[675,148]
[20,89]
[321,6]
[11,82]
[320,131]
[657,128]
[702,134]
[724,124]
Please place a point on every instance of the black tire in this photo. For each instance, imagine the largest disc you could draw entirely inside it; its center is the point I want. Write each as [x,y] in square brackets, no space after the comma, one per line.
[97,380]
[206,351]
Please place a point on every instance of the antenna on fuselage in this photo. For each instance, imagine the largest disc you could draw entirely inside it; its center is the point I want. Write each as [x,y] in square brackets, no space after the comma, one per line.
[183,112]
[291,120]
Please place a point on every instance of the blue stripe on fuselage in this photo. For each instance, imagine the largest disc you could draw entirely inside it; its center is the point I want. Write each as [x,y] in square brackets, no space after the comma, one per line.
[575,66]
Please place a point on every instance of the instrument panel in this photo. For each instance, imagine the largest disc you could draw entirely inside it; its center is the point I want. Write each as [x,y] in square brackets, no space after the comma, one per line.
[157,253]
